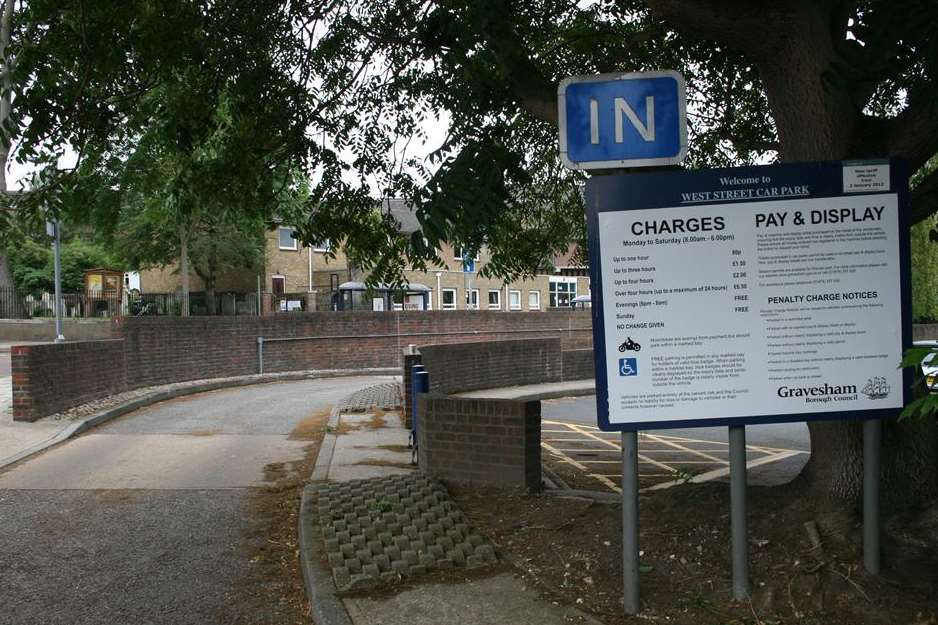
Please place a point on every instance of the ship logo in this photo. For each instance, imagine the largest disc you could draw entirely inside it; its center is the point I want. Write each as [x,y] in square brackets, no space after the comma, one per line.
[876,388]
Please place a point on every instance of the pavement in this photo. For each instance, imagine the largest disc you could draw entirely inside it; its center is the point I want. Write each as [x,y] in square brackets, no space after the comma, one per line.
[368,513]
[148,519]
[16,436]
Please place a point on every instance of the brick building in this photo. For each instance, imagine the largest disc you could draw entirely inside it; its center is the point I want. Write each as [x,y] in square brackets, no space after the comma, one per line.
[300,275]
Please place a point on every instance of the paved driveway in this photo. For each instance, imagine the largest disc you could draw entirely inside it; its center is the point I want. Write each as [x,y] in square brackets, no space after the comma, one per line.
[147,520]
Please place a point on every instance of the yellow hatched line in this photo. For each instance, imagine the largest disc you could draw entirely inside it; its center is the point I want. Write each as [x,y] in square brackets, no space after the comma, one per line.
[687,449]
[602,478]
[613,445]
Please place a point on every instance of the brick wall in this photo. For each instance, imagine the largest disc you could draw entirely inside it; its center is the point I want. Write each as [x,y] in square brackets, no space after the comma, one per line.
[163,350]
[50,377]
[481,441]
[578,364]
[490,364]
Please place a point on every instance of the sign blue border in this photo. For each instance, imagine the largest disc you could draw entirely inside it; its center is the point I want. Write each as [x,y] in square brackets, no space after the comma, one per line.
[663,189]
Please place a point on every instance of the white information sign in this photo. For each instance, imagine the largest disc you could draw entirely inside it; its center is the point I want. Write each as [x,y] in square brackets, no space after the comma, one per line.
[726,306]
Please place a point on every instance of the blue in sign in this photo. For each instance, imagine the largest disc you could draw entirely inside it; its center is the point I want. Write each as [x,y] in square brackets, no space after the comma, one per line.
[622,120]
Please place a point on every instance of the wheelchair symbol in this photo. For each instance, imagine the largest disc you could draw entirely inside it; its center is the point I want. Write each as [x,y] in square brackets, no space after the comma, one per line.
[628,367]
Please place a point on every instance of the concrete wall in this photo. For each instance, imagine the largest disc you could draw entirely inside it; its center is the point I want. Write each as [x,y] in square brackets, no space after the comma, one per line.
[474,441]
[50,377]
[163,350]
[12,330]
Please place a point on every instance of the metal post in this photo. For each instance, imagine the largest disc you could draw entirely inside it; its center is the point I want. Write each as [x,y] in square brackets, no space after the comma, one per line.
[630,590]
[421,385]
[258,295]
[260,354]
[741,587]
[872,443]
[57,254]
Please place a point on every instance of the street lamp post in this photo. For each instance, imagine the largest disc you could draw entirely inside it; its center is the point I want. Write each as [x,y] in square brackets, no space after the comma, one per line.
[54,229]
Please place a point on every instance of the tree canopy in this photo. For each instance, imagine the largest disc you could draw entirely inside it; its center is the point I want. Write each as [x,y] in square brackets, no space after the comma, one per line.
[344,91]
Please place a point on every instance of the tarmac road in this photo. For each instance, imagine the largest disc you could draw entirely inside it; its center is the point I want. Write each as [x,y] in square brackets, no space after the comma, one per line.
[146,520]
[582,410]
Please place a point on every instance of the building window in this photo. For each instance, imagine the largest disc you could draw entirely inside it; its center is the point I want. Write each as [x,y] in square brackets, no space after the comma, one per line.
[322,246]
[472,299]
[514,300]
[287,238]
[495,300]
[534,300]
[562,291]
[449,299]
[278,285]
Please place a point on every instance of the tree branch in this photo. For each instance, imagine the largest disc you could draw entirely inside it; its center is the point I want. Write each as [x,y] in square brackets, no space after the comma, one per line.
[751,26]
[534,91]
[923,201]
[913,134]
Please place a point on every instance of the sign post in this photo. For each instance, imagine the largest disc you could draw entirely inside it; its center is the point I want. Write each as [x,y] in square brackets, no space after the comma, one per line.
[738,532]
[752,295]
[613,121]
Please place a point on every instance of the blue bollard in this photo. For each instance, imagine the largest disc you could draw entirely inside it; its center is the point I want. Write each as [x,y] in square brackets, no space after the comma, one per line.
[411,438]
[421,385]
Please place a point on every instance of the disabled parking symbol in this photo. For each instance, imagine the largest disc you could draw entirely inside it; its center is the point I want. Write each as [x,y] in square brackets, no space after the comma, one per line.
[628,366]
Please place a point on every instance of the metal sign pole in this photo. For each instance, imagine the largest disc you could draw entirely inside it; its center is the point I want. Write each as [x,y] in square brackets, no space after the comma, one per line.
[872,443]
[741,588]
[630,595]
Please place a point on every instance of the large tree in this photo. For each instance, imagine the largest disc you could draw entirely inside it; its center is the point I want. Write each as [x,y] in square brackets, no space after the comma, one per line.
[767,79]
[788,80]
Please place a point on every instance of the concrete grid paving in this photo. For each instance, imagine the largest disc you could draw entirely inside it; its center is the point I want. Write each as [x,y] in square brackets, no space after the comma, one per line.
[663,460]
[393,527]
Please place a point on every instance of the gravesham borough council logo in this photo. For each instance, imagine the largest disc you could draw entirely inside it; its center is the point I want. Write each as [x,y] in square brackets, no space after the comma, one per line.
[876,388]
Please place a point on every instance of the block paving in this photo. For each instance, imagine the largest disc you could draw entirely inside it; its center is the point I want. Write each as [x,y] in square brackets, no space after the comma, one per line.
[389,528]
[385,396]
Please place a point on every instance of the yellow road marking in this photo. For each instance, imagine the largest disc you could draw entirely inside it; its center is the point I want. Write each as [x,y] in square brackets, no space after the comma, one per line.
[606,481]
[611,444]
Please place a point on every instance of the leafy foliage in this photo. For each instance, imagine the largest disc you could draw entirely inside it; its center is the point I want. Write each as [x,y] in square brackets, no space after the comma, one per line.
[32,265]
[204,106]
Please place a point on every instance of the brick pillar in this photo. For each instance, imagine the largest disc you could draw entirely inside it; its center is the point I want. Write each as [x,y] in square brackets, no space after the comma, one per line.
[24,408]
[481,441]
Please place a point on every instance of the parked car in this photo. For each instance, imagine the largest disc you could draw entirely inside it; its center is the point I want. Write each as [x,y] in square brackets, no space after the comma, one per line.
[930,365]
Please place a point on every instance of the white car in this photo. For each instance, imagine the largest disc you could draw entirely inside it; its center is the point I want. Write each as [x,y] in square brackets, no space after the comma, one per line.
[930,365]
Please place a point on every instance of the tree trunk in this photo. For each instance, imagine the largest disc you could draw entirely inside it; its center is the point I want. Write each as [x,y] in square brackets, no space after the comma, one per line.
[816,120]
[184,269]
[210,296]
[6,102]
[5,140]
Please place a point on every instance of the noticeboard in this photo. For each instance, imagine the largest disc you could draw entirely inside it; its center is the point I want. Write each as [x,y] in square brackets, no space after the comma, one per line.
[749,295]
